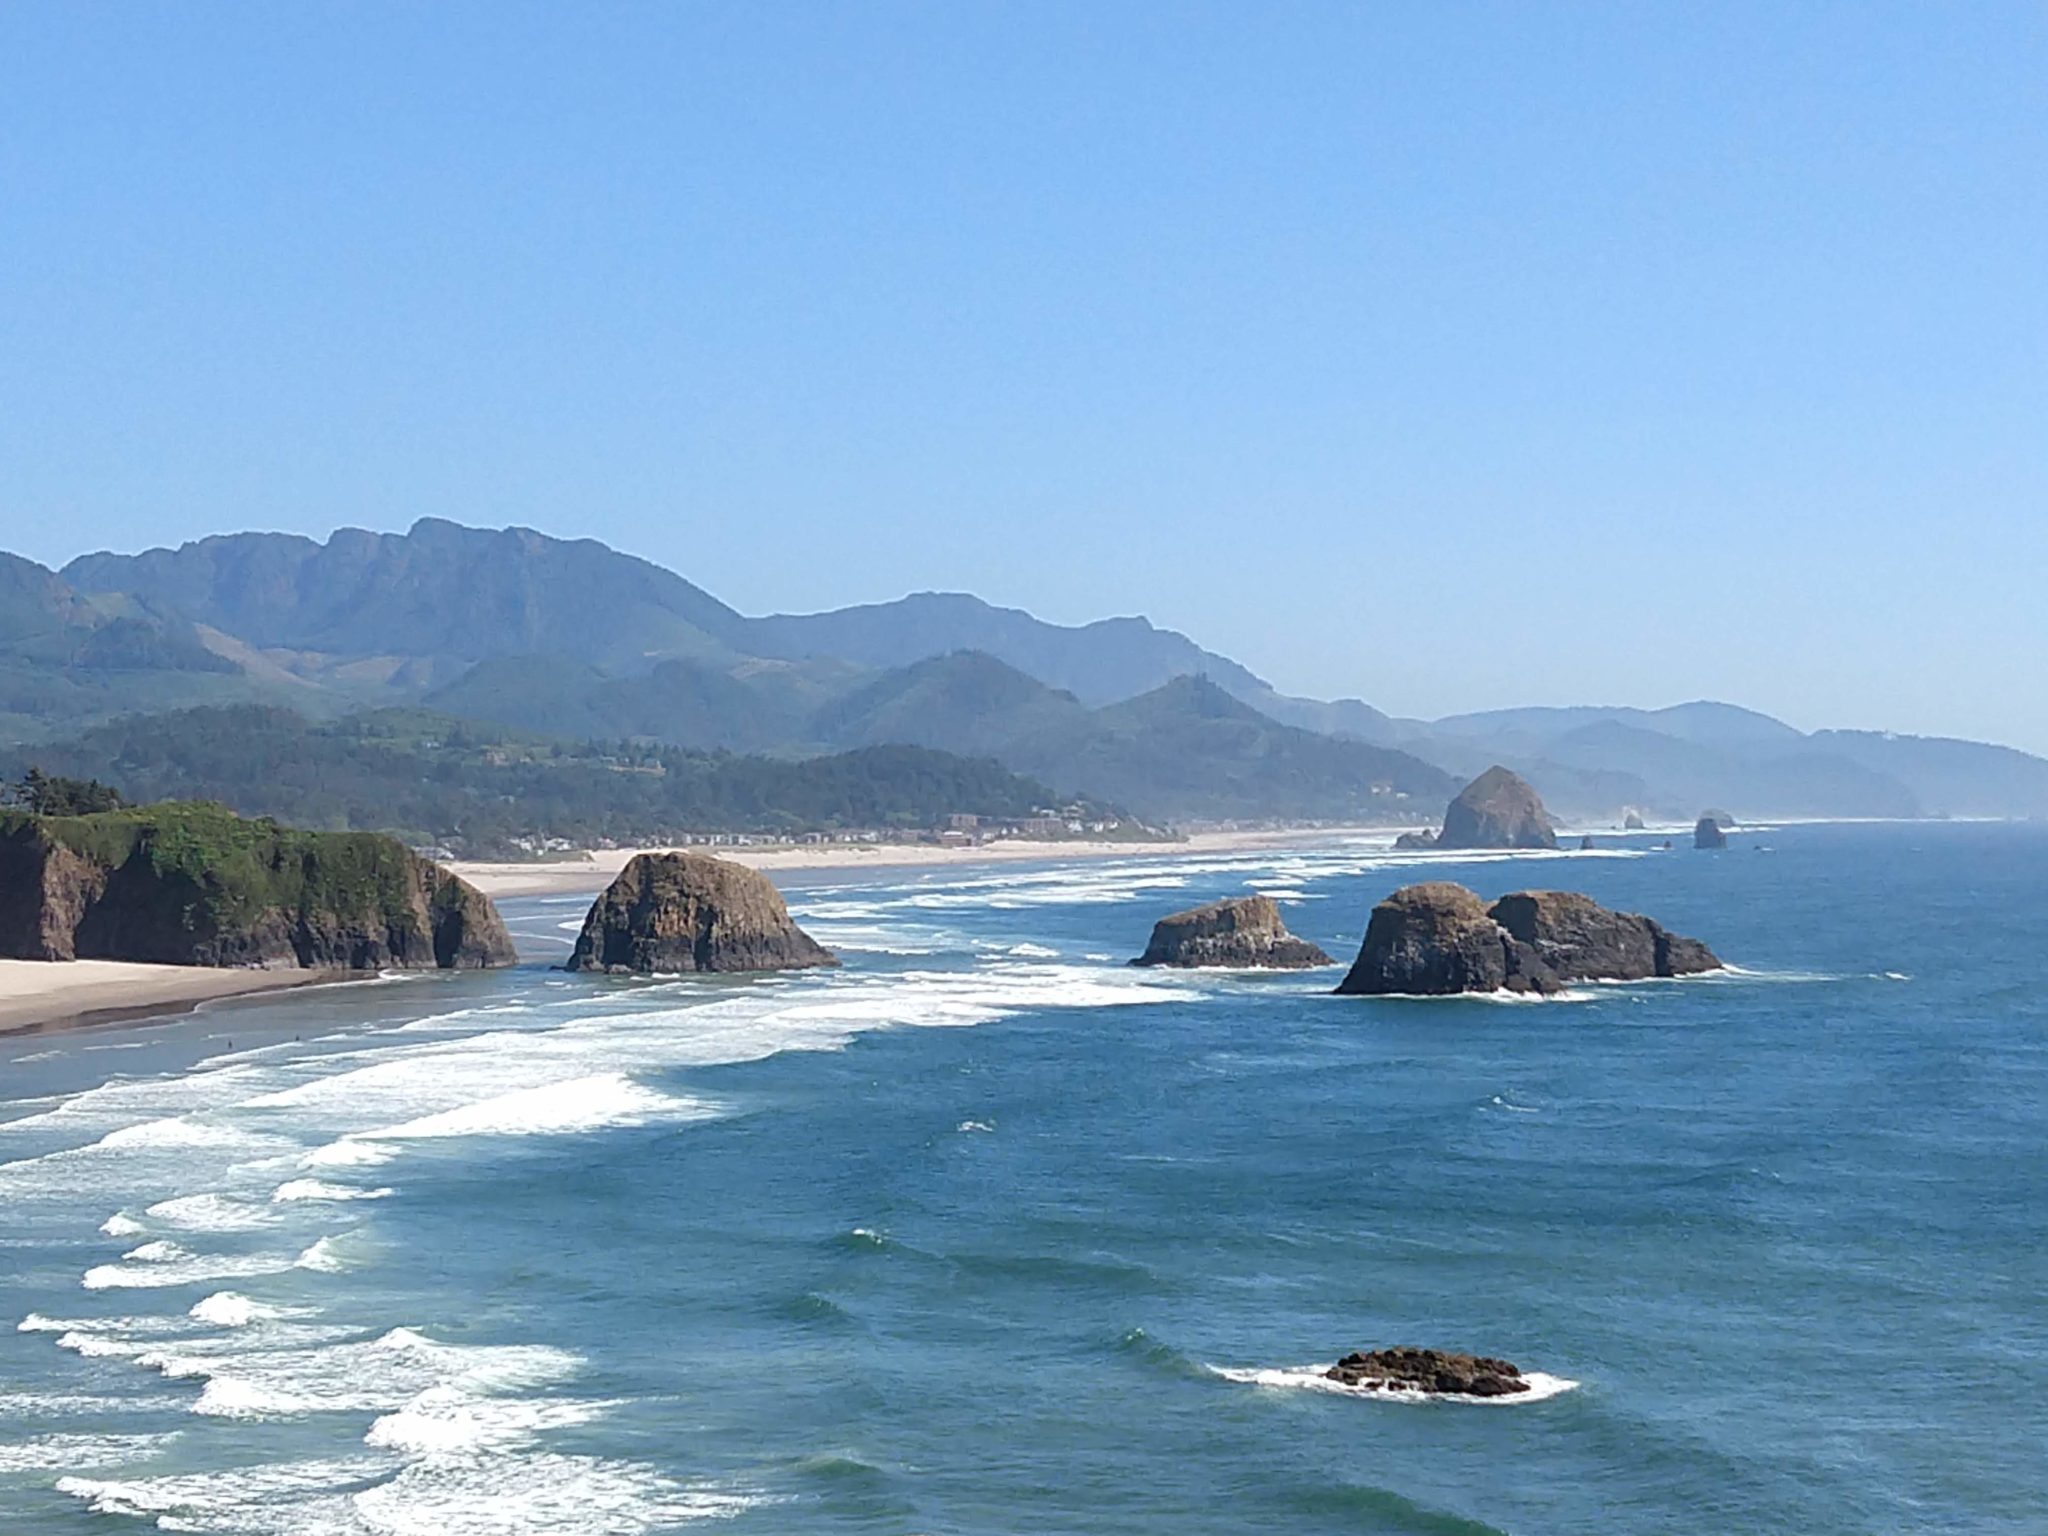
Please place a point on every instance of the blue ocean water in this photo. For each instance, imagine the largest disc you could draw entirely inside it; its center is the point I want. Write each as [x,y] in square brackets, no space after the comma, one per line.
[989,1233]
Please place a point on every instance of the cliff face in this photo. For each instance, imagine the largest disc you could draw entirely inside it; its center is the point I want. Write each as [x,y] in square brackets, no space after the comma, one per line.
[1243,932]
[691,912]
[198,885]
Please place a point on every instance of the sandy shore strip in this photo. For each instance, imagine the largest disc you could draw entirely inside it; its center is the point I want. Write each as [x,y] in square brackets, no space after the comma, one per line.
[594,871]
[47,994]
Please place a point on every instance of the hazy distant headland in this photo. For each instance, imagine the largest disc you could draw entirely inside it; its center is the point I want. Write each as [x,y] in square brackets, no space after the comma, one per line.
[492,685]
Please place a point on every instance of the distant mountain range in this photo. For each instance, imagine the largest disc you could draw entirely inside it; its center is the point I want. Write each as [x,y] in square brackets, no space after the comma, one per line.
[571,639]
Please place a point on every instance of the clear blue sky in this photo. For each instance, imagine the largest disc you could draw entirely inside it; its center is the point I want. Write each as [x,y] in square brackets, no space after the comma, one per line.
[1449,355]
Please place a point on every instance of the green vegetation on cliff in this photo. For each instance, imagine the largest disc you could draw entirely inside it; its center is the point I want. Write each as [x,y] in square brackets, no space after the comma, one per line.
[193,883]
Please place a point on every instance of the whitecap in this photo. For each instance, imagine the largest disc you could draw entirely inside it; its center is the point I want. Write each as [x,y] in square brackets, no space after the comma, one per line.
[72,1452]
[211,1213]
[189,1269]
[448,1420]
[1310,1378]
[121,1224]
[321,1257]
[315,1189]
[601,1100]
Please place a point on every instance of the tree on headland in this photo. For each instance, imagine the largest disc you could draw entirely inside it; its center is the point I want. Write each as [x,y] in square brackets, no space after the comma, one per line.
[50,794]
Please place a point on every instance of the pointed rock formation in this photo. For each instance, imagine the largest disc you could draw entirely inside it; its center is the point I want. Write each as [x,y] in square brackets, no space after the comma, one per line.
[691,912]
[1243,932]
[1498,809]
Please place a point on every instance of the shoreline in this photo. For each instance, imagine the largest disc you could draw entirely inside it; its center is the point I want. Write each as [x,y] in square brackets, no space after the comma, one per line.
[50,995]
[556,877]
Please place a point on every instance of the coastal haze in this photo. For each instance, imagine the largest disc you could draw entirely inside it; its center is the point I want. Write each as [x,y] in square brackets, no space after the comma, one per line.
[1036,768]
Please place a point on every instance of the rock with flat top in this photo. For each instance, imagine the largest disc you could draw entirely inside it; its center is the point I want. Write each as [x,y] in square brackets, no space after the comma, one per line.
[1581,940]
[1708,834]
[1434,1371]
[670,912]
[1437,938]
[1243,932]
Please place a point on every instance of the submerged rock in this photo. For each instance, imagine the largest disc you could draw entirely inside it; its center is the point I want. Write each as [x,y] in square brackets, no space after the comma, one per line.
[195,884]
[1244,931]
[1499,809]
[1429,1370]
[1580,940]
[1708,834]
[1438,938]
[691,912]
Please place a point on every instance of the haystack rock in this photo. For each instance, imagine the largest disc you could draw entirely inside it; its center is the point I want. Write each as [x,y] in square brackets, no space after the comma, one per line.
[1632,822]
[1580,940]
[691,912]
[1439,938]
[1243,932]
[1429,1370]
[1436,939]
[1498,809]
[1708,834]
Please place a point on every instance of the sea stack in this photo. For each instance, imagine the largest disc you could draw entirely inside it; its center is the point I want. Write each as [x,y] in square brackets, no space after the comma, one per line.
[1434,1371]
[1632,821]
[1499,809]
[1242,933]
[195,884]
[1708,834]
[1439,938]
[690,912]
[1415,842]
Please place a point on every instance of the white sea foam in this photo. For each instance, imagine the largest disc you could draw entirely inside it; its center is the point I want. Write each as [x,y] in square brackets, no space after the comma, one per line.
[446,1420]
[72,1452]
[121,1224]
[315,1189]
[348,1153]
[323,1257]
[211,1212]
[161,1251]
[190,1269]
[231,1309]
[579,1104]
[1310,1378]
[975,1125]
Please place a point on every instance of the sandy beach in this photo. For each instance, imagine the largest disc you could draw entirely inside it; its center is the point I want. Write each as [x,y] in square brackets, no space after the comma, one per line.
[43,994]
[595,870]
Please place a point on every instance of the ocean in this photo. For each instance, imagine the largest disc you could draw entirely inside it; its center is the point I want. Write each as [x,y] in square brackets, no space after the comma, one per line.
[988,1232]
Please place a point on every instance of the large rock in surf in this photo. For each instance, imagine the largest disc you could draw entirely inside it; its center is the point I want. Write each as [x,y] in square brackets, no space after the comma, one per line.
[691,912]
[1498,809]
[1580,940]
[1708,834]
[195,884]
[1242,932]
[1632,822]
[1428,1370]
[1438,938]
[1415,842]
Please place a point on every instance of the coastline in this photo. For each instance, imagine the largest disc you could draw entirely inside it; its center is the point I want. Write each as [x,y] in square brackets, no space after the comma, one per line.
[555,877]
[37,995]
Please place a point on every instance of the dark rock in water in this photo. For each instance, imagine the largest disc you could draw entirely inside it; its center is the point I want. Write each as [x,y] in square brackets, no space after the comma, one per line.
[1429,1370]
[691,912]
[1580,940]
[1497,810]
[1438,938]
[1632,822]
[1411,841]
[1586,842]
[1245,931]
[195,884]
[1708,834]
[1720,819]
[1667,845]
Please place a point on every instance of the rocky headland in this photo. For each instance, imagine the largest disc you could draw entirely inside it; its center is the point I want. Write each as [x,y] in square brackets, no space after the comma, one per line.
[1439,938]
[691,912]
[1244,932]
[1499,809]
[1434,1371]
[195,884]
